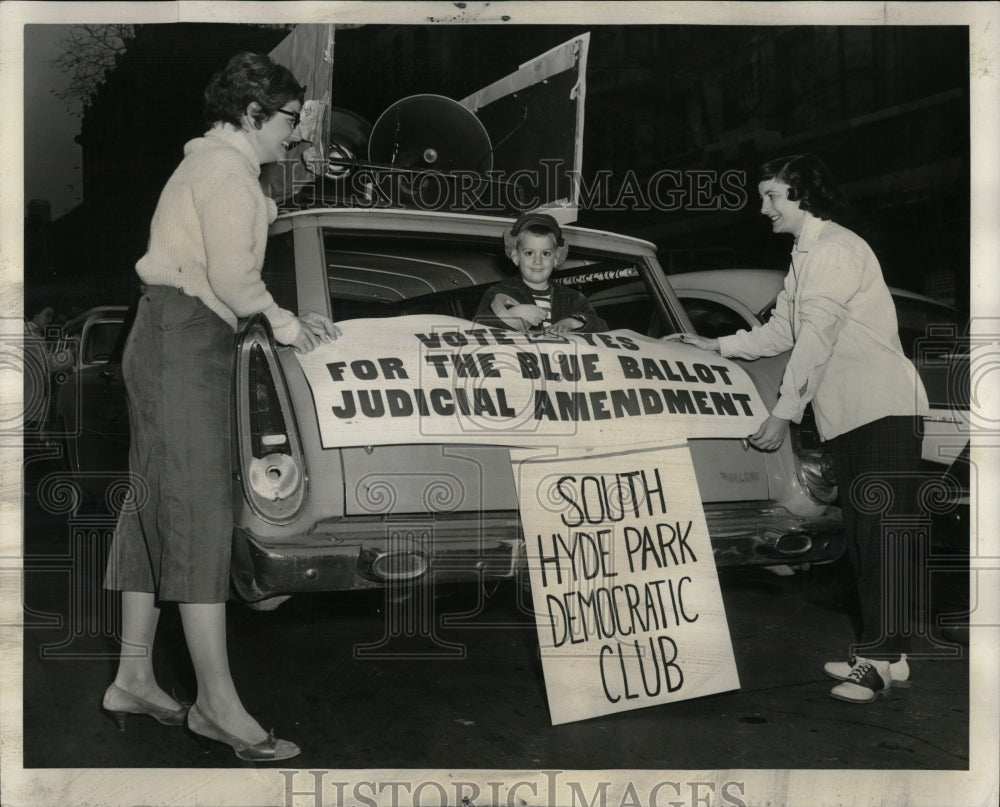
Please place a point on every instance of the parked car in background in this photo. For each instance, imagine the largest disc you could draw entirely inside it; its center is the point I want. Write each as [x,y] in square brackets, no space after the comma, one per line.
[91,416]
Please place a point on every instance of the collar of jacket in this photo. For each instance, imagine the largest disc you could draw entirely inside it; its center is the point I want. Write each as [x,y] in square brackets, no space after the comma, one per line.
[810,232]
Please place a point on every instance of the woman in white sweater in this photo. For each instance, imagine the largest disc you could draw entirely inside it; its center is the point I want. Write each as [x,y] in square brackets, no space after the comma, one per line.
[201,273]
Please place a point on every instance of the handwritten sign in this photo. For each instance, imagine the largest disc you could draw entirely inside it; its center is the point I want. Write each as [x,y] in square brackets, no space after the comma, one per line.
[440,379]
[626,596]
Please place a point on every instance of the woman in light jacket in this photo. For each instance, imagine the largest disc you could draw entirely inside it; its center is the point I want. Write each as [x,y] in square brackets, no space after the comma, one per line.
[836,316]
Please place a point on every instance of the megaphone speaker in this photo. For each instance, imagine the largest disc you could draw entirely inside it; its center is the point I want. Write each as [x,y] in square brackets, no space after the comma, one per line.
[430,133]
[349,134]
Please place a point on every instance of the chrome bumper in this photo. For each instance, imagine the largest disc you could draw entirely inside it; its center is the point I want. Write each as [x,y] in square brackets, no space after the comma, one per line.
[360,554]
[766,535]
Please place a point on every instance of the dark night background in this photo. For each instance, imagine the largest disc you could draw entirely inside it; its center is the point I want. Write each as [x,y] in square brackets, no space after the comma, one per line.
[887,107]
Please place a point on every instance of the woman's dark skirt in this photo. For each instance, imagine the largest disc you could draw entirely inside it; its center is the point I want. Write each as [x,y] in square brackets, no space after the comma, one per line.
[174,537]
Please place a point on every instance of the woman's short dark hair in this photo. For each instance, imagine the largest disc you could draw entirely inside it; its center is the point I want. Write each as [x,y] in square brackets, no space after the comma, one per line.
[809,182]
[250,77]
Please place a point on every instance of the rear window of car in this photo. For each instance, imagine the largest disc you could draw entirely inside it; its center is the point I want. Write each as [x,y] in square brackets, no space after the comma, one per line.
[393,275]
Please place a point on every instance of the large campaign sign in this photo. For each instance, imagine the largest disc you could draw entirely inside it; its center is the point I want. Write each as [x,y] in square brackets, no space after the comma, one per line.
[440,379]
[627,602]
[628,607]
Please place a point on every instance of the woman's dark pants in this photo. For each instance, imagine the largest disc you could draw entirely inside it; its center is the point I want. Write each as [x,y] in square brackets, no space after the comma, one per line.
[878,471]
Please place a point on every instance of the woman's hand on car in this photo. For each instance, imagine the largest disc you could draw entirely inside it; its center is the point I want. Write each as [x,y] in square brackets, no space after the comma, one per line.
[693,339]
[770,435]
[315,329]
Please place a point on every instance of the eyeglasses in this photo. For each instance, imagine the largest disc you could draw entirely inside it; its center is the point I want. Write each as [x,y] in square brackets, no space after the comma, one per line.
[295,116]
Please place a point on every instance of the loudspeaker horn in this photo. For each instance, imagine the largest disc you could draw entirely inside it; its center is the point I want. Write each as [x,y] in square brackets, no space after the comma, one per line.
[349,134]
[430,133]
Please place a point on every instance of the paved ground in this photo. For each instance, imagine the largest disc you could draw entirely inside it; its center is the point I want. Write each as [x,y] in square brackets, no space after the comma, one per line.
[328,673]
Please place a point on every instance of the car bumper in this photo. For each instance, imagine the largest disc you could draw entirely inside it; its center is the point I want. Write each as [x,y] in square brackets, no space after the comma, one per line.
[373,553]
[360,554]
[767,535]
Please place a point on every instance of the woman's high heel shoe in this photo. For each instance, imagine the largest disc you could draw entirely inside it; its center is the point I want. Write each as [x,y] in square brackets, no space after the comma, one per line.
[125,703]
[265,751]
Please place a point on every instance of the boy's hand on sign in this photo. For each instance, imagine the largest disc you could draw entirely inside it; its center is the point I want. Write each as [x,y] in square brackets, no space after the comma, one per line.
[529,312]
[502,302]
[564,325]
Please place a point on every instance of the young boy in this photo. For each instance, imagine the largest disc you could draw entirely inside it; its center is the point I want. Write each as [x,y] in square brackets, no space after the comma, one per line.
[529,302]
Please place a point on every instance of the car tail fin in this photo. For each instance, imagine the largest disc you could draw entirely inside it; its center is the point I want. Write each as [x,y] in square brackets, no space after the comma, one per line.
[269,454]
[815,460]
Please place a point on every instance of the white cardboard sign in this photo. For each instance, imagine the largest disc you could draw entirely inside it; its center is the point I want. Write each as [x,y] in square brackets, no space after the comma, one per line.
[437,379]
[626,595]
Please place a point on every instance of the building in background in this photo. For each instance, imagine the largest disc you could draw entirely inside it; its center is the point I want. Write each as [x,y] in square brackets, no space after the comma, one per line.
[887,107]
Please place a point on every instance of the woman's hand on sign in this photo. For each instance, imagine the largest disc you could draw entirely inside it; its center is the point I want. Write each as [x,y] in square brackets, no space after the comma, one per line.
[693,339]
[305,341]
[770,435]
[315,330]
[320,325]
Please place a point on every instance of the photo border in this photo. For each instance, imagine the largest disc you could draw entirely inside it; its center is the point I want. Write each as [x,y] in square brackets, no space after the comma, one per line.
[266,786]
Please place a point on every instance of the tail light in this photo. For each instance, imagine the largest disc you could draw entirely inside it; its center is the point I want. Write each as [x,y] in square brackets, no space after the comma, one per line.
[815,462]
[270,460]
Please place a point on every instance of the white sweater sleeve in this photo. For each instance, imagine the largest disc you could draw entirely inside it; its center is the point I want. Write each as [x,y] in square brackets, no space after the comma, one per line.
[227,226]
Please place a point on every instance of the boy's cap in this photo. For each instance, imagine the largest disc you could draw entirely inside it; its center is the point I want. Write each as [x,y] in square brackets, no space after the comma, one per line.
[543,220]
